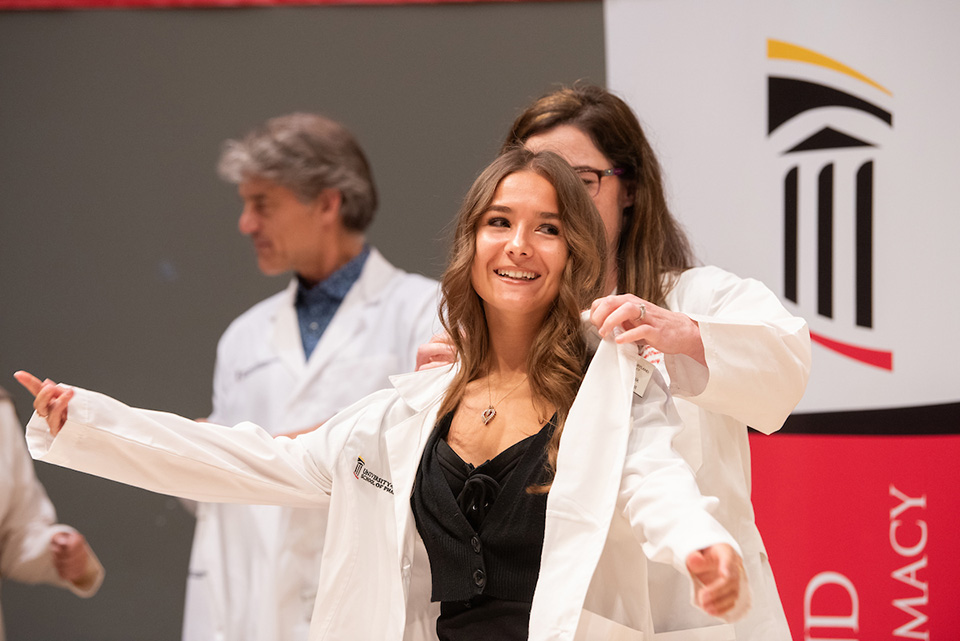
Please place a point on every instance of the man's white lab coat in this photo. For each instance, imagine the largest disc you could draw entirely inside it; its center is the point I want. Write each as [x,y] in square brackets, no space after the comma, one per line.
[254,568]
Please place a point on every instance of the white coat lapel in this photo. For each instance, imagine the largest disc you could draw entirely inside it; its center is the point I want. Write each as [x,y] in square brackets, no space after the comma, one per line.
[422,392]
[584,492]
[351,317]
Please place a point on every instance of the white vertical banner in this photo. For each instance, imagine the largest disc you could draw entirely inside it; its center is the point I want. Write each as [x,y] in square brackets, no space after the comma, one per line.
[844,112]
[815,145]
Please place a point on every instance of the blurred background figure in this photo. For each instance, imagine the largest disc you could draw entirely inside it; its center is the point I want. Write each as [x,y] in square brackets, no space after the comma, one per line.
[33,547]
[346,322]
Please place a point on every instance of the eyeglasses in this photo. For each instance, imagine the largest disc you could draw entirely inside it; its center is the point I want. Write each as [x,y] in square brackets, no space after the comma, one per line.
[591,177]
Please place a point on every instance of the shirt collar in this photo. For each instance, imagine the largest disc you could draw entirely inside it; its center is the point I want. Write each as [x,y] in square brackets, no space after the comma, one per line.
[336,285]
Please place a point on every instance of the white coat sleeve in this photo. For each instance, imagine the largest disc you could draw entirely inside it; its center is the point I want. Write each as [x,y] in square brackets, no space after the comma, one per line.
[660,497]
[173,455]
[757,353]
[658,491]
[28,519]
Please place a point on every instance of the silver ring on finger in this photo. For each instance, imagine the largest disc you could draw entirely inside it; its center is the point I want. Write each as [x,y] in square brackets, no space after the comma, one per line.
[643,311]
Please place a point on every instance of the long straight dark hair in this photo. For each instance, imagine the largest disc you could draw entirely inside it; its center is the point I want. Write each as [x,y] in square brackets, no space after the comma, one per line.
[653,248]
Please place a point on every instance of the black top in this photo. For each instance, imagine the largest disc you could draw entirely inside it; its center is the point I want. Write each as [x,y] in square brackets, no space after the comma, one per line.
[483,533]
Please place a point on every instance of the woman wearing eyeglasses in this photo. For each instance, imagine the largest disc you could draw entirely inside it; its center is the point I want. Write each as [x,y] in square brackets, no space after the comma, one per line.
[511,496]
[732,354]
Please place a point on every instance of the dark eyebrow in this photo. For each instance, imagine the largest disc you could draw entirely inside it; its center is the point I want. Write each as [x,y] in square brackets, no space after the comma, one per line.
[503,209]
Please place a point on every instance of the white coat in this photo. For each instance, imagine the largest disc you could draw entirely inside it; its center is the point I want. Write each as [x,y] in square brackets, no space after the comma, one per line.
[253,568]
[27,517]
[619,483]
[758,363]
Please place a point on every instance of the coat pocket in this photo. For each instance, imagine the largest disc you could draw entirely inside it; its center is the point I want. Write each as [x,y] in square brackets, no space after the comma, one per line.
[722,632]
[594,627]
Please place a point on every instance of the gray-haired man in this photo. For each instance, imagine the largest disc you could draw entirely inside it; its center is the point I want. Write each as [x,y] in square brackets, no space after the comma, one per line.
[346,322]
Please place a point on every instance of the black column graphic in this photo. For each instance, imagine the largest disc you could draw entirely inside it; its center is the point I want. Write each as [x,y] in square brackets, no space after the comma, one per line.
[790,222]
[864,240]
[825,242]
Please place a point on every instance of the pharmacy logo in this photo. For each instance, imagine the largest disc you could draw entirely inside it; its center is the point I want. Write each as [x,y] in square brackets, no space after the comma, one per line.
[363,473]
[829,138]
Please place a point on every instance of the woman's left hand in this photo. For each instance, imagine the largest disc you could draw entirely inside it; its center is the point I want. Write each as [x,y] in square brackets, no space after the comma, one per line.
[644,323]
[437,353]
[717,570]
[50,400]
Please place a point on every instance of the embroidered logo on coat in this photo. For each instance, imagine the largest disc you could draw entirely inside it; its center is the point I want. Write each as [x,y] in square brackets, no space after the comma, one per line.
[361,472]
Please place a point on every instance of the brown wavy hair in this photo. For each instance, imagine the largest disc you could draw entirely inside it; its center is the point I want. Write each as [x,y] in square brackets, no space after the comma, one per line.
[653,248]
[557,359]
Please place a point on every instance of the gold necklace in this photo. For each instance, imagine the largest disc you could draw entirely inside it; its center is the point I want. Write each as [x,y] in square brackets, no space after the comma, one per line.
[491,410]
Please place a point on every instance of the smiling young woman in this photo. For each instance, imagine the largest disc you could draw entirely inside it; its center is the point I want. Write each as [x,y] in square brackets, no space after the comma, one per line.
[531,515]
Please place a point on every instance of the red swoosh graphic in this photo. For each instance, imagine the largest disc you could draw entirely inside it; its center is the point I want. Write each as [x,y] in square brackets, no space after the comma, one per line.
[875,357]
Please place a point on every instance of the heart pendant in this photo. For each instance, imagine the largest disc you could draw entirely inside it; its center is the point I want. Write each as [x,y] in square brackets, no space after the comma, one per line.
[488,415]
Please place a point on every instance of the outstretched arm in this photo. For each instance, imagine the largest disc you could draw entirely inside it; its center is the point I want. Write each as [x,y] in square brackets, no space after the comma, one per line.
[661,499]
[165,453]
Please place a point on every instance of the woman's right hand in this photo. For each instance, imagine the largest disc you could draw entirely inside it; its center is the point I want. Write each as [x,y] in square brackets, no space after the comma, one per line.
[50,400]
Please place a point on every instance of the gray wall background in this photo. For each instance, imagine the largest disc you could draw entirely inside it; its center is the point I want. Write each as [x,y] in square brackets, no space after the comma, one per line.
[120,261]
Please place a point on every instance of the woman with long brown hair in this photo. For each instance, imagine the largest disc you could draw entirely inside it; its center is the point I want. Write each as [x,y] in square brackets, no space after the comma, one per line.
[510,496]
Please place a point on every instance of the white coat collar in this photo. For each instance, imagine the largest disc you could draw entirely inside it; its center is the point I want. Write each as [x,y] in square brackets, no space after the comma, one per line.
[421,392]
[349,320]
[420,389]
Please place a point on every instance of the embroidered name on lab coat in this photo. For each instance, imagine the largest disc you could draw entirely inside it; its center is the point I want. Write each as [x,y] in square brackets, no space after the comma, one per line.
[242,374]
[364,474]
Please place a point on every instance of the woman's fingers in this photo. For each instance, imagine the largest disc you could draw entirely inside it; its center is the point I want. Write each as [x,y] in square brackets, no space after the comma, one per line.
[69,555]
[624,310]
[438,352]
[50,400]
[58,411]
[718,569]
[29,381]
[721,595]
[44,398]
[644,323]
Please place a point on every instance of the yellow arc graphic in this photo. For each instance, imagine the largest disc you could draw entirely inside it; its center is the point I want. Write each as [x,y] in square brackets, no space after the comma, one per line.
[787,51]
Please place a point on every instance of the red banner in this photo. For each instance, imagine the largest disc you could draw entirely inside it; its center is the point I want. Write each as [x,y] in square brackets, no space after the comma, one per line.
[861,532]
[196,4]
